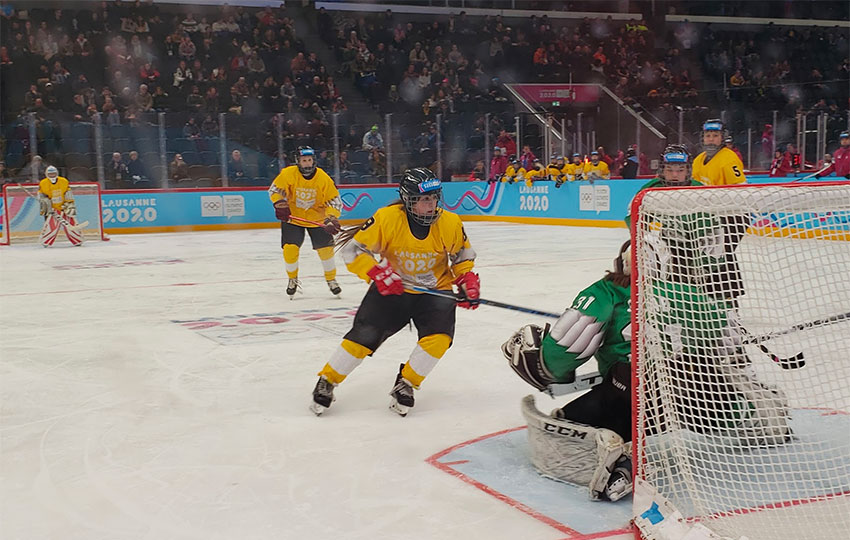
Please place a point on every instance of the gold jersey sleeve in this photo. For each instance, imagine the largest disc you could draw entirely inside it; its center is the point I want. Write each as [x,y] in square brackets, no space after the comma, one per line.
[556,173]
[535,175]
[433,262]
[512,174]
[58,193]
[573,171]
[723,169]
[312,199]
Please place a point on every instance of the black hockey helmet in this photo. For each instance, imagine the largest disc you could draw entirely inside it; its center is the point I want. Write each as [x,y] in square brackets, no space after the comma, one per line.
[675,154]
[415,184]
[305,151]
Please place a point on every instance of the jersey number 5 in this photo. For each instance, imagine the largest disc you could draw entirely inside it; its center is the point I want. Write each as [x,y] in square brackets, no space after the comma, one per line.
[736,171]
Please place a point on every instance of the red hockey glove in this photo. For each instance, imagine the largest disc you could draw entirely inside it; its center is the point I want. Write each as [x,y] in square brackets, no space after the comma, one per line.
[281,210]
[331,225]
[470,286]
[386,279]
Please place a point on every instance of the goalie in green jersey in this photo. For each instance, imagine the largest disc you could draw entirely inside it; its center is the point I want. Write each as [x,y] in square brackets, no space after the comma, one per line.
[585,442]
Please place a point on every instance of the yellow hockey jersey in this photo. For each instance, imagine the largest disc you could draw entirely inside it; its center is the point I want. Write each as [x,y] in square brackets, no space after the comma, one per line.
[724,169]
[556,174]
[312,199]
[596,172]
[573,171]
[433,262]
[535,175]
[58,193]
[513,174]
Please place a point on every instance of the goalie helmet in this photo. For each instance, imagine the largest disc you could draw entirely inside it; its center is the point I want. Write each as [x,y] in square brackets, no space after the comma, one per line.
[525,357]
[675,166]
[309,170]
[52,173]
[416,184]
[623,262]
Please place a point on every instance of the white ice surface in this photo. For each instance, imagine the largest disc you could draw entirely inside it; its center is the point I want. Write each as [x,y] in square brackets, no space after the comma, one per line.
[117,423]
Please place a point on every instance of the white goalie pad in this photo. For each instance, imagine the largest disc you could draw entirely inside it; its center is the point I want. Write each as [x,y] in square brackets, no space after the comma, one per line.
[571,452]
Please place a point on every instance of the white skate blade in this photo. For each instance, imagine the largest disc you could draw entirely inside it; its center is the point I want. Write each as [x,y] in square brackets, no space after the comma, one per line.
[317,409]
[398,408]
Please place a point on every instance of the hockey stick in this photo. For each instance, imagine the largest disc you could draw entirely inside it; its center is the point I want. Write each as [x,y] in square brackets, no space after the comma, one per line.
[812,175]
[797,361]
[459,298]
[59,217]
[316,223]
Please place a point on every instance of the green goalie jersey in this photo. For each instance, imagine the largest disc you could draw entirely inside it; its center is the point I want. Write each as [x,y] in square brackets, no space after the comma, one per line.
[597,325]
[688,322]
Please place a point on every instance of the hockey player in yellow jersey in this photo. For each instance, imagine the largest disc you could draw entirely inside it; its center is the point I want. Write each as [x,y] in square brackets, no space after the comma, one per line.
[515,172]
[557,170]
[57,205]
[596,169]
[575,169]
[304,195]
[717,165]
[418,244]
[536,173]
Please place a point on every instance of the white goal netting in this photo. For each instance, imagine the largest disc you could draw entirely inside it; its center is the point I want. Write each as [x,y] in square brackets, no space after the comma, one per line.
[22,222]
[741,356]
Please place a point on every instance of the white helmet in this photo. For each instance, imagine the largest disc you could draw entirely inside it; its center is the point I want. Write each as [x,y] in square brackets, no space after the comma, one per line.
[52,173]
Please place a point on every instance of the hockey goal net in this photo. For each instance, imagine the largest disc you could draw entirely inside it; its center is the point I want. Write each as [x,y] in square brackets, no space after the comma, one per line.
[22,222]
[741,356]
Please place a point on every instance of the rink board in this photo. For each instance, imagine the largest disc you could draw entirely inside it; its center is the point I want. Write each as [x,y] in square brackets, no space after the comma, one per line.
[600,204]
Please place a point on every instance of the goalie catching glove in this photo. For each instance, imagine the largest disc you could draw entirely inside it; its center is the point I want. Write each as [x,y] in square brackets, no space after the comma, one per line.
[525,357]
[386,279]
[469,285]
[44,206]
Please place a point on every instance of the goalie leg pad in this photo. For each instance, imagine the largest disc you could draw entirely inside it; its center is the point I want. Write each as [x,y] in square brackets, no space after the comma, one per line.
[75,236]
[764,420]
[49,231]
[572,452]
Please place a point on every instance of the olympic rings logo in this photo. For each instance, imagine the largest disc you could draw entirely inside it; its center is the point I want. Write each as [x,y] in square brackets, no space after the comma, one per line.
[211,205]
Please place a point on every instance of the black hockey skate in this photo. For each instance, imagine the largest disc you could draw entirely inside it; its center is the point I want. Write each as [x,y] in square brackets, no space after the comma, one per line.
[334,287]
[292,287]
[402,394]
[323,396]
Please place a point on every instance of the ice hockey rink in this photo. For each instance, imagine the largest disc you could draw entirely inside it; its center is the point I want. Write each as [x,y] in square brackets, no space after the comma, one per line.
[157,386]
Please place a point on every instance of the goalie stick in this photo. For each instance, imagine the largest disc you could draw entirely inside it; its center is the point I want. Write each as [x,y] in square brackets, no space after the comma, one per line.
[59,217]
